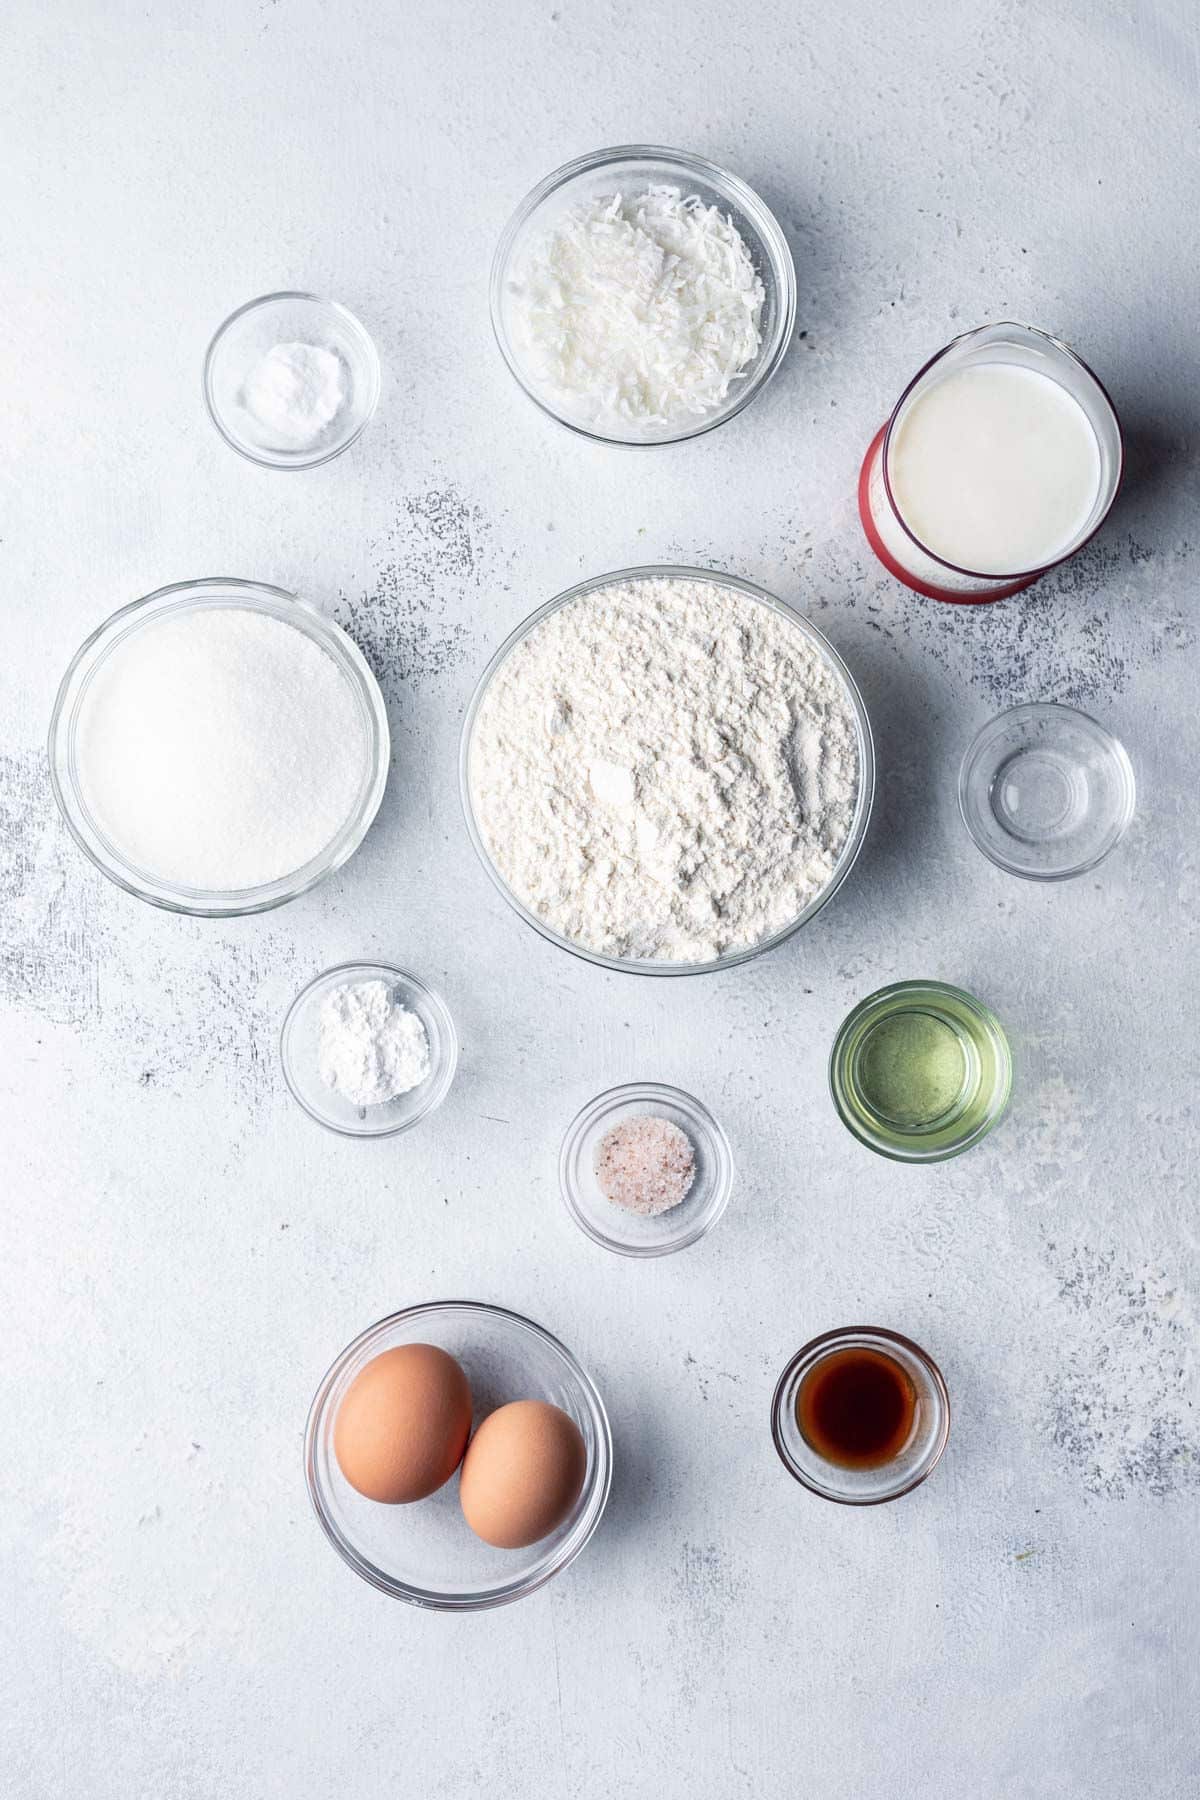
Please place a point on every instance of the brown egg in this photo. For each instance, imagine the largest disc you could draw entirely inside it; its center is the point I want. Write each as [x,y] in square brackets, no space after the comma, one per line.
[522,1473]
[403,1424]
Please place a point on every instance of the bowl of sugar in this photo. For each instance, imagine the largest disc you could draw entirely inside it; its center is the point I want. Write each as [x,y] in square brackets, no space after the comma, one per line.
[218,747]
[642,295]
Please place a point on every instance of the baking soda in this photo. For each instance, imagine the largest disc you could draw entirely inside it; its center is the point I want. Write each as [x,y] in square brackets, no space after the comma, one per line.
[294,392]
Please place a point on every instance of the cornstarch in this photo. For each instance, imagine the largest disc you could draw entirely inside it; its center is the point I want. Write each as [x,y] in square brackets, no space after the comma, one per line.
[370,1046]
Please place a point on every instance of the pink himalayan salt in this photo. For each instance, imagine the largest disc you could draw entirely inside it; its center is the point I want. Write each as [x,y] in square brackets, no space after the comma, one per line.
[645,1165]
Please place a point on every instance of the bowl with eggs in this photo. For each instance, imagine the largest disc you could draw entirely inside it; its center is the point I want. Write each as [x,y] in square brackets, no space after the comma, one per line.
[457,1455]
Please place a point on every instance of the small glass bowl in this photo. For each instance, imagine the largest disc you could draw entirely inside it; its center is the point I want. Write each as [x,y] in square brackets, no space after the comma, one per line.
[426,1553]
[641,166]
[982,1098]
[1046,792]
[863,1487]
[862,805]
[189,596]
[289,318]
[298,1044]
[632,1234]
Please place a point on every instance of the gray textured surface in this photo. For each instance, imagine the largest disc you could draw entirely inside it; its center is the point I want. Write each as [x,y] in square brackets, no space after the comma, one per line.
[183,1252]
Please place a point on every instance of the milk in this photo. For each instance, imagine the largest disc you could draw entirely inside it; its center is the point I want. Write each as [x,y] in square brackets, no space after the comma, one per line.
[994,467]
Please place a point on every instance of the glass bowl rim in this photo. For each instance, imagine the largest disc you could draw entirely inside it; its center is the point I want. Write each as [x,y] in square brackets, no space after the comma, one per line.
[869,1003]
[355,329]
[849,1334]
[723,1177]
[185,596]
[484,1598]
[1121,760]
[752,207]
[931,362]
[817,640]
[441,1078]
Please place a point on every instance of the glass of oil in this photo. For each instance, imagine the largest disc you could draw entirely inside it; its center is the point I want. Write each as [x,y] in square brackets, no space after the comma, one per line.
[920,1071]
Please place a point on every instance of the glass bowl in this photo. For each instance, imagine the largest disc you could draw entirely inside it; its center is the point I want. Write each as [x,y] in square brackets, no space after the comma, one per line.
[298,1050]
[863,1486]
[1046,792]
[256,328]
[644,165]
[947,1018]
[633,1234]
[426,1553]
[862,807]
[187,596]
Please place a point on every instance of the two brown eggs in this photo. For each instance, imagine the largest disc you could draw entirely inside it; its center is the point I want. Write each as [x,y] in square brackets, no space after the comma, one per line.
[404,1427]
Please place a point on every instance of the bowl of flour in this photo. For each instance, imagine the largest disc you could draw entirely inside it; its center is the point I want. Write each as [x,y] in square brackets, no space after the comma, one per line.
[667,771]
[219,747]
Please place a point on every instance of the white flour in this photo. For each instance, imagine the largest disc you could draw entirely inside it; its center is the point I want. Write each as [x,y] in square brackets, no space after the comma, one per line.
[665,769]
[370,1047]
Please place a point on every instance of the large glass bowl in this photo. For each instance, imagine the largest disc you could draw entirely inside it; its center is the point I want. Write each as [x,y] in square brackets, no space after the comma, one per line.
[642,166]
[862,805]
[188,596]
[426,1553]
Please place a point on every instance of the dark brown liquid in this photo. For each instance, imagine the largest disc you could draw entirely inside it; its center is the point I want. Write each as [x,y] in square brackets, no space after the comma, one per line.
[856,1408]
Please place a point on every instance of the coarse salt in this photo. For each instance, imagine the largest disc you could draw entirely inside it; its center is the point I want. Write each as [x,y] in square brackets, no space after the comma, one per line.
[645,1165]
[639,310]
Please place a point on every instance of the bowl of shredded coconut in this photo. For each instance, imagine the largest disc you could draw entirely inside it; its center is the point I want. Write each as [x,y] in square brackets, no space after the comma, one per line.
[667,770]
[642,295]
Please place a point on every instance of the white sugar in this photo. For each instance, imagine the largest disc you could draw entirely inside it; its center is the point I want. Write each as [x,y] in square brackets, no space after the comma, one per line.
[220,749]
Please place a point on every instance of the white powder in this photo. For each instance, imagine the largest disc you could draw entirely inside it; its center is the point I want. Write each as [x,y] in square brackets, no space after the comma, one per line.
[294,391]
[370,1047]
[665,769]
[220,749]
[639,310]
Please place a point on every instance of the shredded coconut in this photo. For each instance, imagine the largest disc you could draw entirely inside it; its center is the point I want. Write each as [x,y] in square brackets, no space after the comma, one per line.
[639,311]
[665,769]
[370,1047]
[645,1165]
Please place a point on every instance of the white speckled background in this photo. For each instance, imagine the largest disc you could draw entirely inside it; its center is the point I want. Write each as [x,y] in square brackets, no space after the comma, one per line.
[183,1253]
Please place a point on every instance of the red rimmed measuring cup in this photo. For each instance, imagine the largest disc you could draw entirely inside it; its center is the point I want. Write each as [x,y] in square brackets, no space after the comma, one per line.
[1001,458]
